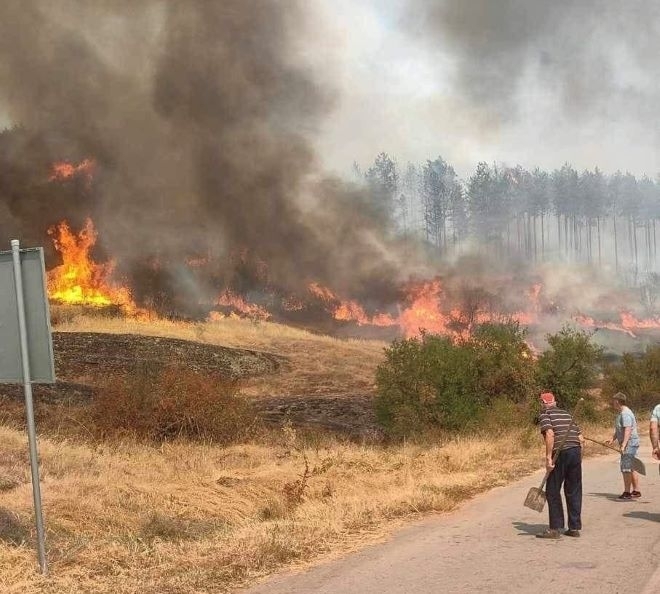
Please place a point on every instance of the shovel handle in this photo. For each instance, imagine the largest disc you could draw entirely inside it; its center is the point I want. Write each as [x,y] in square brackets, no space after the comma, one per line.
[605,445]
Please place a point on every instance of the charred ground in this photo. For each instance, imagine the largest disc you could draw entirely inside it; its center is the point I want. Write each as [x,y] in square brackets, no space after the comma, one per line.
[85,360]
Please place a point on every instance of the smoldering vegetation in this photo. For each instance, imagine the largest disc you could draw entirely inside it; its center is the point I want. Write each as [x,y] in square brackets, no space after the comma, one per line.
[198,121]
[198,118]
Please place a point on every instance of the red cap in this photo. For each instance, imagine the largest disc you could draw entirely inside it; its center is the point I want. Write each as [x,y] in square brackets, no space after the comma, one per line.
[547,397]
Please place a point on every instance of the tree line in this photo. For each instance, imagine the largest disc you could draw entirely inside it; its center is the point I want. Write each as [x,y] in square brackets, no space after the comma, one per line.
[587,217]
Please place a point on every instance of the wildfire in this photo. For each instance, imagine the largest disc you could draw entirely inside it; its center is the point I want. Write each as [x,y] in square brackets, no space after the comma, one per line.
[347,310]
[63,170]
[424,312]
[79,280]
[629,323]
[238,304]
[424,307]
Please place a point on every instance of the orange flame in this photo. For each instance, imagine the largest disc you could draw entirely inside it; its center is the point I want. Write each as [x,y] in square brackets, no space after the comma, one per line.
[348,310]
[589,322]
[424,311]
[237,303]
[79,280]
[630,322]
[63,170]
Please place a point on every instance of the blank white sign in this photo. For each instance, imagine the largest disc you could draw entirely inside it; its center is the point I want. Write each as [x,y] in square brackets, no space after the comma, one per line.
[37,319]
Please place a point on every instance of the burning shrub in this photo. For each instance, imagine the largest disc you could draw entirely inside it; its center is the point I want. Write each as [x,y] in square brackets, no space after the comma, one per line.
[164,402]
[570,366]
[430,381]
[637,376]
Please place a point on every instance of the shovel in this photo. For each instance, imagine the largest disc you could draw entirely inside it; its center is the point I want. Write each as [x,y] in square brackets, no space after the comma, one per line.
[536,497]
[637,464]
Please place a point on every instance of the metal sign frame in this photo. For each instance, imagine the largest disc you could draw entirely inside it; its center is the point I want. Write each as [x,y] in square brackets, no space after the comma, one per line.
[35,345]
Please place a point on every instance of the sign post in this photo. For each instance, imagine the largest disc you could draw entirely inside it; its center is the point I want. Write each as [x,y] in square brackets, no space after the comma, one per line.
[26,351]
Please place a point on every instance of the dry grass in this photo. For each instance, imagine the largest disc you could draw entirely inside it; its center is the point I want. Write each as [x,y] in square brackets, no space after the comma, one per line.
[190,518]
[317,364]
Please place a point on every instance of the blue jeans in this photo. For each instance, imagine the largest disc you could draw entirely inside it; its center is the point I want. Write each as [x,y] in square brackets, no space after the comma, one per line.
[567,472]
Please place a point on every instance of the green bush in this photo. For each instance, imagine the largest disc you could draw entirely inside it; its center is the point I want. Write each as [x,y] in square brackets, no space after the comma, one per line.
[488,379]
[636,376]
[431,382]
[569,367]
[505,363]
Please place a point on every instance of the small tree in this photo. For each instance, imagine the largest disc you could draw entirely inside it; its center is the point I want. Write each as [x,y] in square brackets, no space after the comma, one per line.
[570,365]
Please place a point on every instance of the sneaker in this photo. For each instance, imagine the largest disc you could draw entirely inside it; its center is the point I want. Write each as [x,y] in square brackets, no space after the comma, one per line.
[573,533]
[625,495]
[549,534]
[635,494]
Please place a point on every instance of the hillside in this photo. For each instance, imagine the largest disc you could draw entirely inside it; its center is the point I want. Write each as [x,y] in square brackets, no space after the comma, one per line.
[185,517]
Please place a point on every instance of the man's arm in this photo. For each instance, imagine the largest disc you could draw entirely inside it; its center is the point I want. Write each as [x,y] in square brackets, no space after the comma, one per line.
[626,437]
[653,433]
[549,437]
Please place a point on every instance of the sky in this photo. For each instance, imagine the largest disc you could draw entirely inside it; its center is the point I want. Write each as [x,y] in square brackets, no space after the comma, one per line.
[525,82]
[404,73]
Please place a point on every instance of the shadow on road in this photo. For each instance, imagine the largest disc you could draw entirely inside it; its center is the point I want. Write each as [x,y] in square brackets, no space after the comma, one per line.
[643,515]
[610,496]
[530,529]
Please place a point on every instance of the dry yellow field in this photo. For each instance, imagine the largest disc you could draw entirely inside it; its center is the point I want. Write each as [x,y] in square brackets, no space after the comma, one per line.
[124,517]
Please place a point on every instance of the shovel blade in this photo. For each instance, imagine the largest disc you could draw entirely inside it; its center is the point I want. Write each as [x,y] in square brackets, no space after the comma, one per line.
[535,499]
[638,466]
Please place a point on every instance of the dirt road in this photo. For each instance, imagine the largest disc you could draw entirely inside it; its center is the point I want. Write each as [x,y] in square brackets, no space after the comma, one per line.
[488,545]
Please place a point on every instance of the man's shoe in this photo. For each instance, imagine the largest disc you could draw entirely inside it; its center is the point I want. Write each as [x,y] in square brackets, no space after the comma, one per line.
[635,494]
[625,495]
[573,533]
[554,534]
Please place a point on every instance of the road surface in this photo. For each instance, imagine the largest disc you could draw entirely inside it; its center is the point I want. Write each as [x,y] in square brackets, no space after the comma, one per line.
[488,545]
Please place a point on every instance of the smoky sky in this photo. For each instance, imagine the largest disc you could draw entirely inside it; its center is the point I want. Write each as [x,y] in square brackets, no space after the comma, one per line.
[199,117]
[596,60]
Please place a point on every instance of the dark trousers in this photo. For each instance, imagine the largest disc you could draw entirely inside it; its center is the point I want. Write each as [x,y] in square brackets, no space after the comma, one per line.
[567,472]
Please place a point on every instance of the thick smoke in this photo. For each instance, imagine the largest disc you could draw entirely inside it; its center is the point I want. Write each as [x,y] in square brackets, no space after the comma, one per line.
[596,59]
[199,118]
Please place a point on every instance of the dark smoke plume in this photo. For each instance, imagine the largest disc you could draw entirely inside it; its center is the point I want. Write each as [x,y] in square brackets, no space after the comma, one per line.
[598,59]
[199,118]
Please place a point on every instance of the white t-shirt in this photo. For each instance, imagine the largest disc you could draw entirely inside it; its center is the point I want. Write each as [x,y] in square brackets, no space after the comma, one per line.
[655,415]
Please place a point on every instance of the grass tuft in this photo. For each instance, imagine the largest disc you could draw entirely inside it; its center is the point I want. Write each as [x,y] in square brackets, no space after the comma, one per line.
[12,528]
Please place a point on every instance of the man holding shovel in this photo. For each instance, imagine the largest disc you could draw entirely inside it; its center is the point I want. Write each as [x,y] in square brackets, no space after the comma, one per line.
[625,432]
[563,455]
